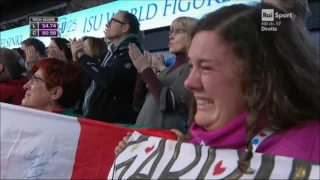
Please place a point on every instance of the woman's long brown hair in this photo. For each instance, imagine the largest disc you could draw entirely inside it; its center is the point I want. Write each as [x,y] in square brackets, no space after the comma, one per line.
[278,70]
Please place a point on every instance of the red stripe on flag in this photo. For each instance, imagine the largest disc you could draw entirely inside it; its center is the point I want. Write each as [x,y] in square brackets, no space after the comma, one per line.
[95,152]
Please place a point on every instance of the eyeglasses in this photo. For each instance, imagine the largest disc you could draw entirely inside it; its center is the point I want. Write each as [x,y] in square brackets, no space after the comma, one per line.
[35,79]
[112,20]
[176,31]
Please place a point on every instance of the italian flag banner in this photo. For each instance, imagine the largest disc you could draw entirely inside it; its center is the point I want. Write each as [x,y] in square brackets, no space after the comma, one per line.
[42,145]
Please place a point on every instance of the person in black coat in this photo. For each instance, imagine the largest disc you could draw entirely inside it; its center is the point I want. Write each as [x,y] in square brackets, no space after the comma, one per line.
[110,95]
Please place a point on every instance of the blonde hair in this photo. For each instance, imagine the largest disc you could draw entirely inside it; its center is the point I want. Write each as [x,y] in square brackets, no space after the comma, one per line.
[186,23]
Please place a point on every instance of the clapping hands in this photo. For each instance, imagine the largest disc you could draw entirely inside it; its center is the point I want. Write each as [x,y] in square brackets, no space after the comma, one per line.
[145,60]
[158,63]
[139,60]
[77,48]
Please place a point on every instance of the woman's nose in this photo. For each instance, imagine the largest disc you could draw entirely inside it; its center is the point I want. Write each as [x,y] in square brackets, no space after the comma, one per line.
[170,36]
[193,82]
[27,86]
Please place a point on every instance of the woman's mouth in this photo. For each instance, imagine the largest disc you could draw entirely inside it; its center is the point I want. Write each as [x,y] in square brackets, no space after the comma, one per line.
[204,102]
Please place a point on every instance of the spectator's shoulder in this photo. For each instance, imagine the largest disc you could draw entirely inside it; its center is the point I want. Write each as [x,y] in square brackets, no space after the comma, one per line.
[307,130]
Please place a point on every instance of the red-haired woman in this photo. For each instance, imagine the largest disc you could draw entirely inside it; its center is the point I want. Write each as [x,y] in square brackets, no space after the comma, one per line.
[55,86]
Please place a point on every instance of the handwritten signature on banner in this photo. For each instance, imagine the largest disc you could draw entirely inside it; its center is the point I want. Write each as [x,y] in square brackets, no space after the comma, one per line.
[36,166]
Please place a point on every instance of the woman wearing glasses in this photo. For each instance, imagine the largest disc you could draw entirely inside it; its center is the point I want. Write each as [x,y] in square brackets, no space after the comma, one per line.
[162,99]
[55,86]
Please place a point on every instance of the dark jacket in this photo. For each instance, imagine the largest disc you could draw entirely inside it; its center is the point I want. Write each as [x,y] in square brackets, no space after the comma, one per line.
[68,112]
[110,95]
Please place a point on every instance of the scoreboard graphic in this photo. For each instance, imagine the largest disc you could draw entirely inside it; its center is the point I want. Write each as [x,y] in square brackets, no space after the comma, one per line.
[44,26]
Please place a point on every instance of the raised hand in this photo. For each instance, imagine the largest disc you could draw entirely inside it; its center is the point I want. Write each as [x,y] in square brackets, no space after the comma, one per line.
[71,41]
[158,63]
[139,60]
[31,54]
[77,49]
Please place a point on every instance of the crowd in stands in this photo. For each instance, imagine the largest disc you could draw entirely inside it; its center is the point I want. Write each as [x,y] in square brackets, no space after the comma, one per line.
[226,83]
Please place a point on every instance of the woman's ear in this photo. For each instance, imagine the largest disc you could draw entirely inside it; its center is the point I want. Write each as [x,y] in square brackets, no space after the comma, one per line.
[57,93]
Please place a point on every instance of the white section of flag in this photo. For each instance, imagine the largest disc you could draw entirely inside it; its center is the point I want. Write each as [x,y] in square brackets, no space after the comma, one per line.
[315,171]
[37,144]
[282,168]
